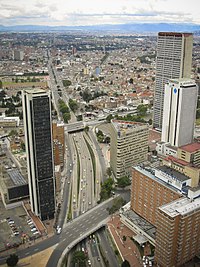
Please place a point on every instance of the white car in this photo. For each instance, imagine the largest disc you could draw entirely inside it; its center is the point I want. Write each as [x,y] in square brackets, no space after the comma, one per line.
[59,229]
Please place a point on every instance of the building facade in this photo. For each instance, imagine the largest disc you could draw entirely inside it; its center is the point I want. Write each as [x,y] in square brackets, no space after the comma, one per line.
[129,146]
[174,60]
[178,232]
[149,191]
[190,153]
[39,151]
[179,113]
[58,143]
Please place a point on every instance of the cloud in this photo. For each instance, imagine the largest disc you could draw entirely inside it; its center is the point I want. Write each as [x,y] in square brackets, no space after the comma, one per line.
[87,12]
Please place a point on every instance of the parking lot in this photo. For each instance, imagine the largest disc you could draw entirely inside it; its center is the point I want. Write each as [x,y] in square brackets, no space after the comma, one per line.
[16,227]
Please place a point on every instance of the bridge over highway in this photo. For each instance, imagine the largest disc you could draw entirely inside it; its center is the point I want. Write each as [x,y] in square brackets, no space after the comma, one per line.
[78,229]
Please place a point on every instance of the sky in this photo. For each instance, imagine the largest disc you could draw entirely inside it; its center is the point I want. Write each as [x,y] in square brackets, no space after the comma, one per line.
[93,12]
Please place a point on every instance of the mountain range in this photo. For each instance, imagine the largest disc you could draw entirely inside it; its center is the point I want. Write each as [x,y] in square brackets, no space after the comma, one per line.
[117,28]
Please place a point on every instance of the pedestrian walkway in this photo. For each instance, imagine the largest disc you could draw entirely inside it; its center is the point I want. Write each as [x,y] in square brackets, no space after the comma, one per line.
[122,238]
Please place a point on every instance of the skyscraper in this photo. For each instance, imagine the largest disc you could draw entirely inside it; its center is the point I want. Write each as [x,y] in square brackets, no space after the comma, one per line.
[129,146]
[179,112]
[38,140]
[174,60]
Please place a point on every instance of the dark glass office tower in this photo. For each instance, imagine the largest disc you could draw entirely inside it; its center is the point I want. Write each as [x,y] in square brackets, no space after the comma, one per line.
[38,138]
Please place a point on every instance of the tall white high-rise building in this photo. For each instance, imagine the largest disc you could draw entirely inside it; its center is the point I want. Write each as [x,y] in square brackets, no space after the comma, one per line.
[39,151]
[174,60]
[179,112]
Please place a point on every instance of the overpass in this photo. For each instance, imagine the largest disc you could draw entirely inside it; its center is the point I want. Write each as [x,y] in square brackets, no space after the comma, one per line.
[78,229]
[74,127]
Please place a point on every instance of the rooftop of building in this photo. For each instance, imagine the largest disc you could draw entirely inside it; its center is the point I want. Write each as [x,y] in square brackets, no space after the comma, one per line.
[183,82]
[35,91]
[177,34]
[140,222]
[191,148]
[16,177]
[179,161]
[181,206]
[127,126]
[150,172]
[173,173]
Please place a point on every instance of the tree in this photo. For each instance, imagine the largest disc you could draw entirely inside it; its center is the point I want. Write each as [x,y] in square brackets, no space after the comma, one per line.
[66,83]
[23,146]
[66,117]
[142,110]
[1,84]
[106,189]
[125,264]
[79,117]
[109,118]
[80,258]
[13,133]
[73,105]
[12,260]
[131,81]
[109,171]
[117,204]
[86,128]
[123,181]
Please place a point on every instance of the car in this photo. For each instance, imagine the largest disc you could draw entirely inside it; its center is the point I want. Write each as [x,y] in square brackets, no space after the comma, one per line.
[98,258]
[30,222]
[35,233]
[59,230]
[11,222]
[89,262]
[89,203]
[16,233]
[33,229]
[150,263]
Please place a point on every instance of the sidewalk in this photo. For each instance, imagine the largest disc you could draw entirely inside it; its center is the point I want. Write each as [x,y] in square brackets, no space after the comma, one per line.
[127,248]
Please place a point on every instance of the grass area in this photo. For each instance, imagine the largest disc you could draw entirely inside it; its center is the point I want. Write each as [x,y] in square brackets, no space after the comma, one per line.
[114,248]
[93,162]
[78,170]
[198,122]
[69,215]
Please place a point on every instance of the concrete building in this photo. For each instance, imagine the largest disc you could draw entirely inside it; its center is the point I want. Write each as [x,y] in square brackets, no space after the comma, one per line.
[174,60]
[177,236]
[184,167]
[165,149]
[9,122]
[129,146]
[18,55]
[58,143]
[13,185]
[38,140]
[190,153]
[179,112]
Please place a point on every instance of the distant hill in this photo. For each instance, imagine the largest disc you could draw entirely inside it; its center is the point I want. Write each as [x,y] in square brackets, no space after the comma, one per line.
[118,28]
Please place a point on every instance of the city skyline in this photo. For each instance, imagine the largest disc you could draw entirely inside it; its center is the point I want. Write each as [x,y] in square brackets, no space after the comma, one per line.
[76,13]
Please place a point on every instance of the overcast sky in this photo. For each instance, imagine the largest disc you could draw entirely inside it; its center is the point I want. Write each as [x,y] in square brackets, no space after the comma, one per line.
[90,12]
